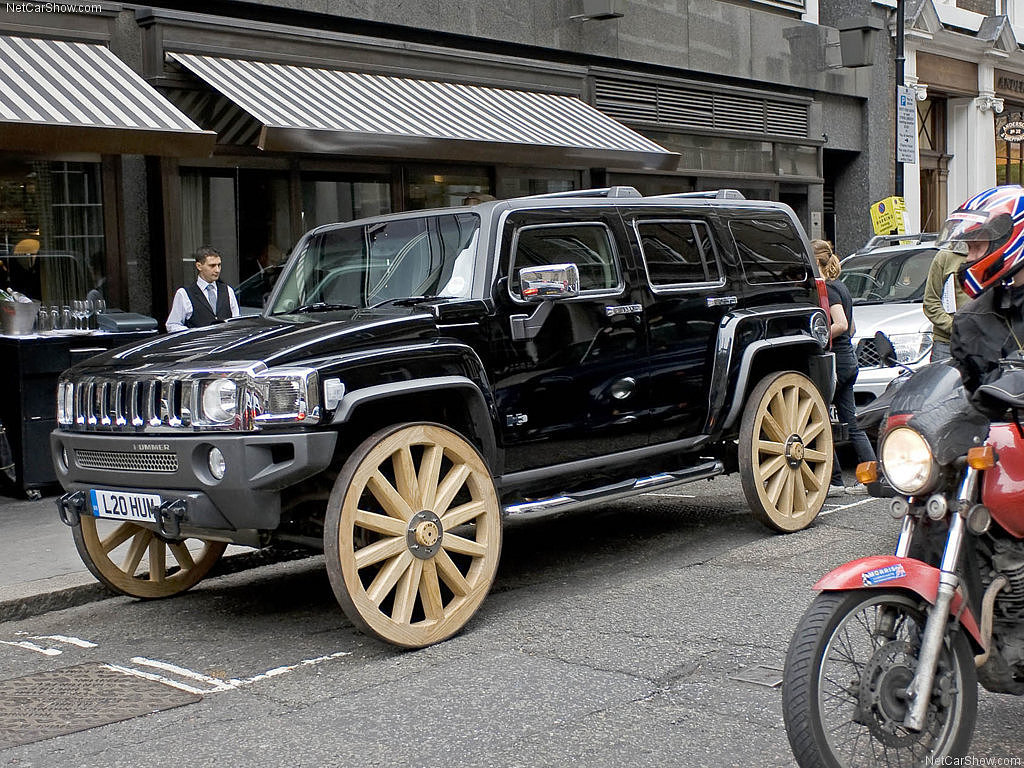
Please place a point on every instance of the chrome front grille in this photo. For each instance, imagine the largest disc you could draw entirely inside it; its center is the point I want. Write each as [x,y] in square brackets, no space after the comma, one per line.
[130,404]
[128,462]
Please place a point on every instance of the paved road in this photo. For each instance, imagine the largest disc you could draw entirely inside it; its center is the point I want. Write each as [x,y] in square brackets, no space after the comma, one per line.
[612,638]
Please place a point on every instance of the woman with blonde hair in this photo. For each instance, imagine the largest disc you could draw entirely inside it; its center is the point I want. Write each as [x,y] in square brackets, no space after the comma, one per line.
[842,328]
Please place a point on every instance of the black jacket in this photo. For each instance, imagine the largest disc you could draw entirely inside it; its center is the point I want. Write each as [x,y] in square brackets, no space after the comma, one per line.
[986,330]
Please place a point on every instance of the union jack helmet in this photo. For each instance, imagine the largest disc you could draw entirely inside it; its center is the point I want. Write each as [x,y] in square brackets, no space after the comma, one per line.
[995,216]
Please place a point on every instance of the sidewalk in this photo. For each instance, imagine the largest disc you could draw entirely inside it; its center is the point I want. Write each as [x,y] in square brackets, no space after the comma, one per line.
[40,569]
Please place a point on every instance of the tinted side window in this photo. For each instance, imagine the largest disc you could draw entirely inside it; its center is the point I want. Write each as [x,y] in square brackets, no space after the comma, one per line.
[770,250]
[678,253]
[588,246]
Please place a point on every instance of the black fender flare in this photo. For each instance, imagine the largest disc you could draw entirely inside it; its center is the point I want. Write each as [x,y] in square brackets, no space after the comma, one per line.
[479,412]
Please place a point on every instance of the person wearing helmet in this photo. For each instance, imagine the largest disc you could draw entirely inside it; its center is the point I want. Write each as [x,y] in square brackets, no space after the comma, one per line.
[991,326]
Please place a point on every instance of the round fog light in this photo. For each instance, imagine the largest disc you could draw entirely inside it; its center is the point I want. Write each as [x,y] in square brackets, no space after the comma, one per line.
[65,462]
[218,466]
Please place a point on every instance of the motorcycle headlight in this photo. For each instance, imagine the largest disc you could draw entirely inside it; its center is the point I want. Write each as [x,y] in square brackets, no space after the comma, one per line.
[220,401]
[911,347]
[908,462]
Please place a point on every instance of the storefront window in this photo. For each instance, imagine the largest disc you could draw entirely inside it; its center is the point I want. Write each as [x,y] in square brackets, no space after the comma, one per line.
[795,160]
[328,199]
[244,213]
[52,245]
[444,188]
[1010,147]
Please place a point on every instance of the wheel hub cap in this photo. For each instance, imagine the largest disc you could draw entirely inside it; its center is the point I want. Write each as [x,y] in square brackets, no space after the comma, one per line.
[794,450]
[424,534]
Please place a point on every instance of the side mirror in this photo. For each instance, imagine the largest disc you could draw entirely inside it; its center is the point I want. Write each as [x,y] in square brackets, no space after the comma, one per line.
[886,351]
[552,281]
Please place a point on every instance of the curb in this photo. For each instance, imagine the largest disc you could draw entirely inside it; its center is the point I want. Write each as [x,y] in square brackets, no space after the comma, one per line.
[81,594]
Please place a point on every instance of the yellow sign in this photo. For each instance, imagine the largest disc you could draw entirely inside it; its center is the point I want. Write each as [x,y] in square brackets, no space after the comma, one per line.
[887,216]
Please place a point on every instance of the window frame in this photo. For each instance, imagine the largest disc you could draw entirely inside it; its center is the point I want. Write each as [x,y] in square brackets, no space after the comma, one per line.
[678,287]
[616,259]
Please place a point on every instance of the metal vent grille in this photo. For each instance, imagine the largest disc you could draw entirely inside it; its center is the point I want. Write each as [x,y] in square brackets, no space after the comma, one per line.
[867,354]
[680,107]
[127,462]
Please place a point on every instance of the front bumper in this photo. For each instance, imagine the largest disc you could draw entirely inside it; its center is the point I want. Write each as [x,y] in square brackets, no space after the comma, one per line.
[258,467]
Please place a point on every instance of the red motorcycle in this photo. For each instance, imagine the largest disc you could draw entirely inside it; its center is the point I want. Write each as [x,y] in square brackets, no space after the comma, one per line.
[884,665]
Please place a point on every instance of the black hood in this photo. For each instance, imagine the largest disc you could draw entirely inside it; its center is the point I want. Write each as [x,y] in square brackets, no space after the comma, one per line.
[282,340]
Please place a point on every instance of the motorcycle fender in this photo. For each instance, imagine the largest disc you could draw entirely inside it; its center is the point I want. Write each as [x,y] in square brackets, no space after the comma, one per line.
[891,572]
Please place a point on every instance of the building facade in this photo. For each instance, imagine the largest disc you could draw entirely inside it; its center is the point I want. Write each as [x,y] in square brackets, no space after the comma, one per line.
[250,123]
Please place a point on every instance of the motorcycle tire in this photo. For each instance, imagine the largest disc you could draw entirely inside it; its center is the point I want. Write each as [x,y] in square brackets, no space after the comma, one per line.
[842,682]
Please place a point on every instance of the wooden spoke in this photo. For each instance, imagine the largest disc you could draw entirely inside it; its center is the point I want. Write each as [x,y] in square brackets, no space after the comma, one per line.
[451,575]
[464,546]
[137,548]
[450,486]
[783,406]
[387,577]
[429,475]
[157,559]
[379,550]
[404,587]
[430,592]
[119,536]
[405,595]
[453,518]
[114,552]
[371,521]
[388,497]
[405,475]
[770,446]
[182,555]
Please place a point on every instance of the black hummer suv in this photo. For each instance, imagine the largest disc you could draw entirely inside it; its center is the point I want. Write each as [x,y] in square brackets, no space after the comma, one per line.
[416,377]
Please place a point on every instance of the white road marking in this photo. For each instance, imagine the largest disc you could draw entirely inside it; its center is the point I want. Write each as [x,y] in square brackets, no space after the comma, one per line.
[65,639]
[216,685]
[847,506]
[33,647]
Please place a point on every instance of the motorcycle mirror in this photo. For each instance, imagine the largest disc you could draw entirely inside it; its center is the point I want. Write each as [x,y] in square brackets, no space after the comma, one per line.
[886,351]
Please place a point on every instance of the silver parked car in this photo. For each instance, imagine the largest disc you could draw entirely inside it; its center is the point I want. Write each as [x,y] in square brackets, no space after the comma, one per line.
[887,283]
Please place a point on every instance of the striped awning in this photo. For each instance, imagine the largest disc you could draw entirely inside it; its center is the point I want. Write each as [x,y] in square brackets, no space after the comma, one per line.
[324,110]
[79,97]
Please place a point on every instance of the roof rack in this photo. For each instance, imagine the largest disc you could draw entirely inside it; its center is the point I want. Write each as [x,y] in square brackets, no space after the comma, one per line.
[714,194]
[602,192]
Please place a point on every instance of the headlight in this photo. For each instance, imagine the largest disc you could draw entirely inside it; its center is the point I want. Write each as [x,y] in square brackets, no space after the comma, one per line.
[820,329]
[65,402]
[908,461]
[285,395]
[220,401]
[911,347]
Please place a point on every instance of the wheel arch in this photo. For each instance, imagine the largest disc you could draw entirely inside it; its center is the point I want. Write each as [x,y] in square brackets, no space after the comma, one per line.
[453,400]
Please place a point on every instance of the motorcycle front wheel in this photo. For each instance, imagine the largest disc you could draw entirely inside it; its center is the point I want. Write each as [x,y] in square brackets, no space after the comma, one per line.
[843,691]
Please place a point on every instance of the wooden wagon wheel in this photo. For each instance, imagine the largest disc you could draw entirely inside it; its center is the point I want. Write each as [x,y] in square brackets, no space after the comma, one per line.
[412,534]
[134,560]
[785,451]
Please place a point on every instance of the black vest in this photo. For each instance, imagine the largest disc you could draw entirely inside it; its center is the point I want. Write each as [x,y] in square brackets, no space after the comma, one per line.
[202,315]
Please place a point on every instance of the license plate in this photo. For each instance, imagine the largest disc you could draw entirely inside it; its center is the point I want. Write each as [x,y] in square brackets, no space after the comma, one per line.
[115,505]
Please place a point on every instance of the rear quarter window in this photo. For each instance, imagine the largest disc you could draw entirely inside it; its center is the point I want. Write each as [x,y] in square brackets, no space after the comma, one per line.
[770,250]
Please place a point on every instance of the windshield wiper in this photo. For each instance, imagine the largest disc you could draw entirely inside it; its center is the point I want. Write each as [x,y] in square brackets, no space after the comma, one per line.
[319,306]
[408,301]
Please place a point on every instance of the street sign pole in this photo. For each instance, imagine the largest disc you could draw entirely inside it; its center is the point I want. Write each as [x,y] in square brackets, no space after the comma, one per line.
[900,61]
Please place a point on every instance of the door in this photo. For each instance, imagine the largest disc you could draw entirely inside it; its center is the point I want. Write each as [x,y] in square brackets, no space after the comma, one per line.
[688,296]
[573,389]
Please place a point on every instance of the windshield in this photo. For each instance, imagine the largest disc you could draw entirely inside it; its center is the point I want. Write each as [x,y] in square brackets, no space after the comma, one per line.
[364,265]
[874,278]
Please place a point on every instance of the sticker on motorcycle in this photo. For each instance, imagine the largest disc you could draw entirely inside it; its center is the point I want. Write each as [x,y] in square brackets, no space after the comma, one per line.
[882,575]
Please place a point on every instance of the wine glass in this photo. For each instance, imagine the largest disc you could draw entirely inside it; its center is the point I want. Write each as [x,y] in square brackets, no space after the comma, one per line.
[89,308]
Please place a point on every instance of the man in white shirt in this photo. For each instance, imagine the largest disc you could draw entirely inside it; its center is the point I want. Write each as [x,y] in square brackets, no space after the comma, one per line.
[207,300]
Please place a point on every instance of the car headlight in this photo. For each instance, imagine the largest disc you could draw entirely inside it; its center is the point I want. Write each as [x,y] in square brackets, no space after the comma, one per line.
[908,462]
[65,403]
[220,401]
[285,395]
[911,347]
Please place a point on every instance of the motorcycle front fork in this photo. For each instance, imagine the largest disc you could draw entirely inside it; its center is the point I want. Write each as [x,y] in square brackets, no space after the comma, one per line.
[919,690]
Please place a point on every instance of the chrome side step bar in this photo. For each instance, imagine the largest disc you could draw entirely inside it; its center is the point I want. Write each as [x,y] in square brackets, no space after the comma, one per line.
[580,499]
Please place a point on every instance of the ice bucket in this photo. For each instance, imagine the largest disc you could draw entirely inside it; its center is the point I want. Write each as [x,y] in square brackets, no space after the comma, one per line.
[18,318]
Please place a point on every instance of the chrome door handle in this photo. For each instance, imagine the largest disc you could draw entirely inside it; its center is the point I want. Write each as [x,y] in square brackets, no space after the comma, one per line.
[624,309]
